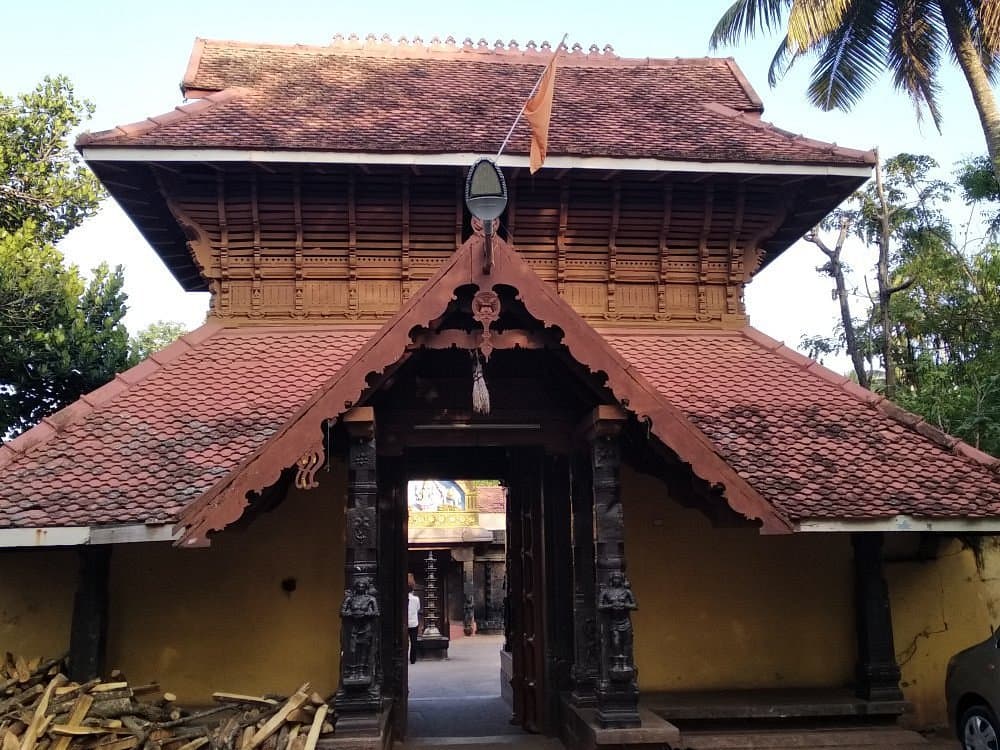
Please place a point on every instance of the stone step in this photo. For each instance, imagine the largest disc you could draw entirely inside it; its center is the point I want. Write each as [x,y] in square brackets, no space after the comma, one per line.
[496,742]
[891,738]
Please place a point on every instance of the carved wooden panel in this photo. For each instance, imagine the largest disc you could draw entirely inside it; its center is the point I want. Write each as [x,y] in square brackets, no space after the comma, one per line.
[326,241]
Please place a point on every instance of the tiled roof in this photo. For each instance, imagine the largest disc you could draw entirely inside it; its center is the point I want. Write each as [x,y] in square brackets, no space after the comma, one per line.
[812,443]
[441,98]
[143,446]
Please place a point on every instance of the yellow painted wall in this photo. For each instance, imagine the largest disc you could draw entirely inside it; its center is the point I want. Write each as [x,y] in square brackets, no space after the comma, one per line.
[939,608]
[36,600]
[217,619]
[728,608]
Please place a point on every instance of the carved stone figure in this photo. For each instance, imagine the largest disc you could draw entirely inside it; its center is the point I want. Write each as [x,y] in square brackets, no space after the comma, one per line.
[617,602]
[359,611]
[468,615]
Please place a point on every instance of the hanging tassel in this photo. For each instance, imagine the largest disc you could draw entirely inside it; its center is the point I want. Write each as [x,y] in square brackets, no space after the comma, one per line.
[480,395]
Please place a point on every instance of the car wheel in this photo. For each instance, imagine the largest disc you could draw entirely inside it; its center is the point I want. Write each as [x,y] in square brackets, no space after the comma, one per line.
[978,729]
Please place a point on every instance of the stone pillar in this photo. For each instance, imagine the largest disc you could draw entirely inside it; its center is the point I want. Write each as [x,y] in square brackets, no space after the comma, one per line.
[469,594]
[585,642]
[359,695]
[617,686]
[877,672]
[89,630]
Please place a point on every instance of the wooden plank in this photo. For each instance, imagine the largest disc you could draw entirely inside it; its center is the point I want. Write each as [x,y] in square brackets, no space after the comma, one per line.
[194,744]
[274,723]
[66,730]
[238,698]
[107,686]
[124,744]
[316,728]
[38,720]
[76,716]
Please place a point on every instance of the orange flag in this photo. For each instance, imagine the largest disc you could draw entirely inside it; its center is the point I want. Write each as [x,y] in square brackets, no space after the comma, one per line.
[538,112]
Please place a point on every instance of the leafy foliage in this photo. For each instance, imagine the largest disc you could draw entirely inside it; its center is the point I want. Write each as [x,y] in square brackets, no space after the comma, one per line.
[853,42]
[152,338]
[944,313]
[59,335]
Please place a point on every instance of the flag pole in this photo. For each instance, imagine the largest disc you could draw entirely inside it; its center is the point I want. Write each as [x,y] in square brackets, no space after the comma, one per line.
[533,90]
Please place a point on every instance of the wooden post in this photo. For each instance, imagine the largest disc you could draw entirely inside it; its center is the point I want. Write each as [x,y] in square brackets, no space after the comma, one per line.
[359,696]
[585,644]
[877,672]
[617,686]
[89,630]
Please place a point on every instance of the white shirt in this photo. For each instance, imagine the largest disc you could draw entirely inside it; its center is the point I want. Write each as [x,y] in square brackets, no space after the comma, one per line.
[412,618]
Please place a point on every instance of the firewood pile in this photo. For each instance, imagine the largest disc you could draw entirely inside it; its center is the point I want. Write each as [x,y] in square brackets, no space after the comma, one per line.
[41,709]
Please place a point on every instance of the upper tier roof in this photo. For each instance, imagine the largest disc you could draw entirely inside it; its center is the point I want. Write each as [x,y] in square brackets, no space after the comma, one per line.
[381,98]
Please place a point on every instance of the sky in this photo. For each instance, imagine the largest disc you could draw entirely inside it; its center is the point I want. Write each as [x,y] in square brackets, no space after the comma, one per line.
[128,59]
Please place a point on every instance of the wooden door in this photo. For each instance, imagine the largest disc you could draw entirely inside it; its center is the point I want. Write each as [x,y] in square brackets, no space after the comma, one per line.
[526,588]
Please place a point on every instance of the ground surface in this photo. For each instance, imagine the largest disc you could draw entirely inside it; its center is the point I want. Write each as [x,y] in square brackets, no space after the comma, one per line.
[456,704]
[460,696]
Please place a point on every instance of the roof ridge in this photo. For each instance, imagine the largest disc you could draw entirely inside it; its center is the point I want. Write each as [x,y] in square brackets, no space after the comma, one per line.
[180,112]
[55,423]
[416,48]
[914,422]
[754,120]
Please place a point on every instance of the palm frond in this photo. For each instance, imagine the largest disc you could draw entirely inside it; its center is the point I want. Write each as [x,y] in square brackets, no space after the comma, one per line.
[852,57]
[810,22]
[781,63]
[914,53]
[746,18]
[987,25]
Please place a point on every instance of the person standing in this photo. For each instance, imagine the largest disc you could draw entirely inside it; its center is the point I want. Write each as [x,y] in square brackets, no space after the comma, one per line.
[413,622]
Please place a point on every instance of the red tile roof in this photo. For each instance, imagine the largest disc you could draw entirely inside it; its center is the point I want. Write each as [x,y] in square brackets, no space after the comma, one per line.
[140,448]
[440,98]
[810,442]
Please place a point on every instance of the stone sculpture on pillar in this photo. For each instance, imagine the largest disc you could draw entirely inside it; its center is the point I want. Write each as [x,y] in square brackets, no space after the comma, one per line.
[615,605]
[359,613]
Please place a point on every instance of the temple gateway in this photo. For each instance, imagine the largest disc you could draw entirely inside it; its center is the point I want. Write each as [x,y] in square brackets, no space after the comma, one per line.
[697,522]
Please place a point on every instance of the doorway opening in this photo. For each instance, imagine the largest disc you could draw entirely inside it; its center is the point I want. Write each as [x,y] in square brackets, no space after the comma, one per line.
[456,574]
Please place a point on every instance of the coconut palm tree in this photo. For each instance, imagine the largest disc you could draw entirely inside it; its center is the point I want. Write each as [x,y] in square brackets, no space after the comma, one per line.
[855,41]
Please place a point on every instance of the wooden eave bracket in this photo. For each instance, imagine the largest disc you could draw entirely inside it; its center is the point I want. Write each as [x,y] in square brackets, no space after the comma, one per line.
[226,502]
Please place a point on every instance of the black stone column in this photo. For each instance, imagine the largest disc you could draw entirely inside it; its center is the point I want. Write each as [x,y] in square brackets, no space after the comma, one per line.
[877,672]
[359,696]
[617,686]
[89,631]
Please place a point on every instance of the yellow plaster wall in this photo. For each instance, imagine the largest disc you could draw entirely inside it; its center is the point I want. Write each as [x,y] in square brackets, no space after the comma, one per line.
[36,600]
[217,619]
[938,608]
[728,608]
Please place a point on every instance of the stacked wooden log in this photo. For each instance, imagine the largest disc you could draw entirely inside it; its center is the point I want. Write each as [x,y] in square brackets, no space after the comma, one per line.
[41,709]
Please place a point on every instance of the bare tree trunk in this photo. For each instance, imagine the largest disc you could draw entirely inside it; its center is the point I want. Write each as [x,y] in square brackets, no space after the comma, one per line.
[837,272]
[884,293]
[975,75]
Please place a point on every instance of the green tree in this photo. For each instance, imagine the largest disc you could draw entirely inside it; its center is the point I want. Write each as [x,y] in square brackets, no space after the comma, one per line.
[152,338]
[855,41]
[59,335]
[939,328]
[41,178]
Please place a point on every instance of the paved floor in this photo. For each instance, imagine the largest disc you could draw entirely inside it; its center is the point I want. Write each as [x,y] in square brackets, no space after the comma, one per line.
[460,696]
[456,704]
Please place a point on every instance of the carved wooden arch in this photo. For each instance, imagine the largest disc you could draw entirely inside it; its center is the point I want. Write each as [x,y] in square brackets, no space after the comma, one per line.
[226,501]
